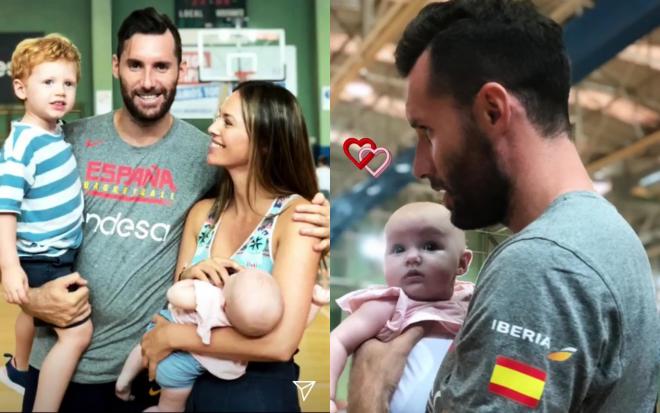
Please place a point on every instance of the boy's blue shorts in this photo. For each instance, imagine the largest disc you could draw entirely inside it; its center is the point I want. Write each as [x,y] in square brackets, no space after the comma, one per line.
[41,269]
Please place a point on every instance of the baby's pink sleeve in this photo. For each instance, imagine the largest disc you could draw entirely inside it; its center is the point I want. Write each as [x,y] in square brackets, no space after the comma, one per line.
[210,309]
[352,301]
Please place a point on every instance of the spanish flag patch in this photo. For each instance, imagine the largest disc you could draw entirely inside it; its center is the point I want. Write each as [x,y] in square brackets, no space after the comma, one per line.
[517,381]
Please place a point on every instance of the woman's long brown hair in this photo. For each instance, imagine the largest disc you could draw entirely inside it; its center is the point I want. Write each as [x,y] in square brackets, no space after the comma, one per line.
[280,156]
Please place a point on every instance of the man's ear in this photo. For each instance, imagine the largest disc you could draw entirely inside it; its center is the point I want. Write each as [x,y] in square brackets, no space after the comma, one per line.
[492,105]
[464,262]
[115,66]
[183,69]
[19,89]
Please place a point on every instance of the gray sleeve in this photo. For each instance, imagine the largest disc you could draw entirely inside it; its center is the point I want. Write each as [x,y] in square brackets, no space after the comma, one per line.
[73,131]
[541,332]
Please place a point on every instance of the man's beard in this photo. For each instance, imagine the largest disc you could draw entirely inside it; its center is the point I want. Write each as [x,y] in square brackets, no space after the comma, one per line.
[480,191]
[141,116]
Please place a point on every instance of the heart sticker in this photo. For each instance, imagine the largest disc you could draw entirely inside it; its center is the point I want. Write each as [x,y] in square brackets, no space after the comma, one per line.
[359,142]
[373,153]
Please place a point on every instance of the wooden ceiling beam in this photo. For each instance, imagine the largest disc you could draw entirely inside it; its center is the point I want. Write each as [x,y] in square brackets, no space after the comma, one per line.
[653,251]
[385,29]
[568,9]
[628,152]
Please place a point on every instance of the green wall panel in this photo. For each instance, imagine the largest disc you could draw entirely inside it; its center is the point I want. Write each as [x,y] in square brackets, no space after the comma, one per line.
[68,17]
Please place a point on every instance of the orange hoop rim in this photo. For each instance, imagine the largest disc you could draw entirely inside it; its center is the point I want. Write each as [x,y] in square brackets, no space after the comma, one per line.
[243,75]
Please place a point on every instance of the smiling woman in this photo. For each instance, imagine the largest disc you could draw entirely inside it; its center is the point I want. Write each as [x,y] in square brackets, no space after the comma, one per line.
[260,140]
[229,139]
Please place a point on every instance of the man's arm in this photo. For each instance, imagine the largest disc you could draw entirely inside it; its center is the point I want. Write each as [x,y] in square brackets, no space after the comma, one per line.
[317,214]
[371,386]
[537,336]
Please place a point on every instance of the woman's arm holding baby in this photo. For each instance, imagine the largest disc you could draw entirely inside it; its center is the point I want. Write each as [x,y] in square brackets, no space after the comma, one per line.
[295,266]
[363,324]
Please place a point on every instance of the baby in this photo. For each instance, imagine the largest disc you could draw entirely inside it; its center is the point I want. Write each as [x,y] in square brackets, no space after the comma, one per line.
[250,302]
[424,254]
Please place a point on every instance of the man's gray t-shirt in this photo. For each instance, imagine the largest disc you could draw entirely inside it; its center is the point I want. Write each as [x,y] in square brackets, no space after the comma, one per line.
[563,319]
[136,201]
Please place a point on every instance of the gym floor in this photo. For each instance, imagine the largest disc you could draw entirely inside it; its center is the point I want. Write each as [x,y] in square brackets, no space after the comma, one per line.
[10,401]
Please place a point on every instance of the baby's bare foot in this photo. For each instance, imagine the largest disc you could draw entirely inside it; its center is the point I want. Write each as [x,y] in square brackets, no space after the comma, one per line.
[320,295]
[123,391]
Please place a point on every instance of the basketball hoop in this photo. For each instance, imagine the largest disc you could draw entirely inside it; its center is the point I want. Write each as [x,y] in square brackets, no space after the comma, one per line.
[243,75]
[237,55]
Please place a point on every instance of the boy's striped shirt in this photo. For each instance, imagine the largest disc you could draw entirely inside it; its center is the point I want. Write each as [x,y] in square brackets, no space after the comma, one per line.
[40,183]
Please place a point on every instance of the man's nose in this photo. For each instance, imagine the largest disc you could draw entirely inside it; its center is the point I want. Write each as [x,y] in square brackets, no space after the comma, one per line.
[147,80]
[421,162]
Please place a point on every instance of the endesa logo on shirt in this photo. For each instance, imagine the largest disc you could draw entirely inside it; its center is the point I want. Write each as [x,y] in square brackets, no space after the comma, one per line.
[126,227]
[124,183]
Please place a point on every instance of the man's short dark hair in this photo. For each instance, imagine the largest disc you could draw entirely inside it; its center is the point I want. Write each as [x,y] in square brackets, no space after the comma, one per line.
[473,42]
[147,21]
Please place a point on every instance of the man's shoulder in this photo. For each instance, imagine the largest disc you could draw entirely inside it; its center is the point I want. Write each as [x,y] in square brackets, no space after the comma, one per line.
[583,229]
[586,222]
[188,137]
[578,227]
[187,128]
[96,119]
[537,266]
[533,250]
[76,129]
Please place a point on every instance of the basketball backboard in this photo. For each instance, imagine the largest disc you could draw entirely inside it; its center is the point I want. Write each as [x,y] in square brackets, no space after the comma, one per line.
[232,55]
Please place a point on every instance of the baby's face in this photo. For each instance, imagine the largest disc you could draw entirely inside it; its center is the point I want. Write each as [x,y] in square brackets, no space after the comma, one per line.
[422,256]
